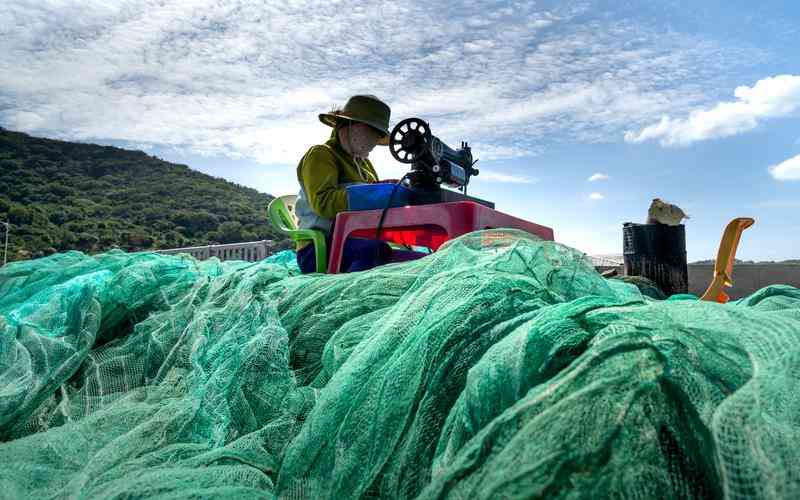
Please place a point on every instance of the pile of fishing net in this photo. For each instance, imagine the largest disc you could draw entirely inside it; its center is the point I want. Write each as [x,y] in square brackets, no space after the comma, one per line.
[499,367]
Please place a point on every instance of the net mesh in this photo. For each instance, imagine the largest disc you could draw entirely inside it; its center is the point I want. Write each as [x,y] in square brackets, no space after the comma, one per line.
[500,366]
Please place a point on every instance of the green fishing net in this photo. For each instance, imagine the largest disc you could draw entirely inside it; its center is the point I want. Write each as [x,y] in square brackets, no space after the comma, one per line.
[500,366]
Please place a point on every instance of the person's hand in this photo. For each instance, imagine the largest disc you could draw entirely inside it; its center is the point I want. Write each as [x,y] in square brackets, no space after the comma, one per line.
[388,181]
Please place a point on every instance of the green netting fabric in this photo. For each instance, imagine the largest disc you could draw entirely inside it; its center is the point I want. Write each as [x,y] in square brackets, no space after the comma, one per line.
[499,367]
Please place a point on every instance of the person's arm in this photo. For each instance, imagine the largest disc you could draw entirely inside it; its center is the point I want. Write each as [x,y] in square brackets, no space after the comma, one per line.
[321,183]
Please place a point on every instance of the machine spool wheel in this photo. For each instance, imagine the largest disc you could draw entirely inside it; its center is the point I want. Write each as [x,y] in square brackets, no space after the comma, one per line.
[409,138]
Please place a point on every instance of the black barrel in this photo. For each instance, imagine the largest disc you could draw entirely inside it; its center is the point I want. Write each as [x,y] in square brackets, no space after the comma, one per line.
[657,252]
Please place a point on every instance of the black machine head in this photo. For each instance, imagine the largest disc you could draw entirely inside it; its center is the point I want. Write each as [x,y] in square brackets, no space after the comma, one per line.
[432,161]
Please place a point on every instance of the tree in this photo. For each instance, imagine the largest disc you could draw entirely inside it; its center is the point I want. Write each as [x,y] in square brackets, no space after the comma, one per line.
[92,198]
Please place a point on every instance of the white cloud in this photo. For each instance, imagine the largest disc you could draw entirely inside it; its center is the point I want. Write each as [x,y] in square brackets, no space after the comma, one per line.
[788,170]
[500,177]
[771,97]
[596,196]
[490,152]
[598,177]
[247,79]
[25,120]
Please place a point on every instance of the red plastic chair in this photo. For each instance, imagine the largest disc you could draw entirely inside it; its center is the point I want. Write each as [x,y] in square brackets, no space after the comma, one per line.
[424,225]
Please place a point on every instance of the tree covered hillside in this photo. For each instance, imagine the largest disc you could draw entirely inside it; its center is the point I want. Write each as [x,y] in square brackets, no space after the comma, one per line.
[62,196]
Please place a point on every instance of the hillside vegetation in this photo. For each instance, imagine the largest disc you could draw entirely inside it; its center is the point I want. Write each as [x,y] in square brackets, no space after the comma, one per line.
[62,196]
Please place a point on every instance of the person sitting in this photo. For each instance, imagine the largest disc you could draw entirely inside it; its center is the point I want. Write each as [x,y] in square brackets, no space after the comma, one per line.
[326,169]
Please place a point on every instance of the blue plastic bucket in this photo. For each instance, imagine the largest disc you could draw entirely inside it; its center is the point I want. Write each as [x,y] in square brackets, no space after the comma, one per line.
[376,196]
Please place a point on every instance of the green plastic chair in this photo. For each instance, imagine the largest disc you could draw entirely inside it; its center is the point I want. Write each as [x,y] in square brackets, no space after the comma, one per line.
[282,217]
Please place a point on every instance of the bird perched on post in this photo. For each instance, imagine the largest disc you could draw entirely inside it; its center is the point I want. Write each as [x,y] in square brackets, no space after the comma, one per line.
[661,212]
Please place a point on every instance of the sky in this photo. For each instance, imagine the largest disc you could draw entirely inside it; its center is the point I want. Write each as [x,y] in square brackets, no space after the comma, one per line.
[579,112]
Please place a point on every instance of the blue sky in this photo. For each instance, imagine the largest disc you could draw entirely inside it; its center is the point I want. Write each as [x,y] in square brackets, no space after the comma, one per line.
[697,102]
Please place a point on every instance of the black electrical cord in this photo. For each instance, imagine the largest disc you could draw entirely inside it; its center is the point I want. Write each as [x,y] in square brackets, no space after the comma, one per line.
[383,215]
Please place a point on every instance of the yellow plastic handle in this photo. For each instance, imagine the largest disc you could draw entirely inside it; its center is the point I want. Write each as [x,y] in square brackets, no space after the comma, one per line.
[726,256]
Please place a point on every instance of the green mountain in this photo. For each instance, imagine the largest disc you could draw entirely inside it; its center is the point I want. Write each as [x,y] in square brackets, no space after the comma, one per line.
[62,196]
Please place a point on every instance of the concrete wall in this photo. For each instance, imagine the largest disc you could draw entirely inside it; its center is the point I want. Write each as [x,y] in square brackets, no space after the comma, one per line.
[747,278]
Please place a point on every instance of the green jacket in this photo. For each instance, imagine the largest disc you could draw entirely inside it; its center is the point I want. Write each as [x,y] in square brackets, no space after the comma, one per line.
[323,173]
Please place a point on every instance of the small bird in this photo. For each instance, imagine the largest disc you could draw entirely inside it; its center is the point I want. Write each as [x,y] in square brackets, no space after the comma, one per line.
[661,212]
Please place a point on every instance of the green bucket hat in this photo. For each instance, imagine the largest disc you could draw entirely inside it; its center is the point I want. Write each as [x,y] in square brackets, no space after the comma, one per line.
[366,109]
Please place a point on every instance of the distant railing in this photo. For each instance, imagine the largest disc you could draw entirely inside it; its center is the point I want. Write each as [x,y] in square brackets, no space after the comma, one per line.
[250,251]
[606,261]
